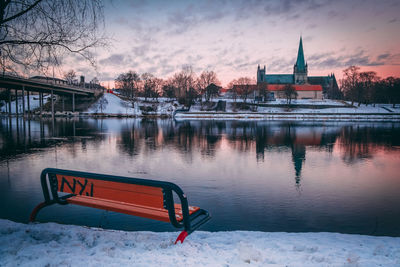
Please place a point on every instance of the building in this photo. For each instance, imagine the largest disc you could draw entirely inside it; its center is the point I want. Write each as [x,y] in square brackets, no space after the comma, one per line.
[314,87]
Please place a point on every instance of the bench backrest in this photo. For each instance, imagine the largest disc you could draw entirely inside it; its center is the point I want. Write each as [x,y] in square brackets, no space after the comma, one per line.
[111,190]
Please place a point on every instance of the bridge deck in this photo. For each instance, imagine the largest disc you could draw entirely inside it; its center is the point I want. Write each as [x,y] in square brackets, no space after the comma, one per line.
[37,86]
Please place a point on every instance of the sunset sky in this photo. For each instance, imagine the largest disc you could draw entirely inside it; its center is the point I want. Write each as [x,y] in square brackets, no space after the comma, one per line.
[233,37]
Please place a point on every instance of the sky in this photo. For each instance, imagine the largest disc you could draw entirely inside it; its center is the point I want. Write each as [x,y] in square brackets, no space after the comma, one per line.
[233,37]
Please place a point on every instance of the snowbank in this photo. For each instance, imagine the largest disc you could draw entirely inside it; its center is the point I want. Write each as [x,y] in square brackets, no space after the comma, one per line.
[113,105]
[51,244]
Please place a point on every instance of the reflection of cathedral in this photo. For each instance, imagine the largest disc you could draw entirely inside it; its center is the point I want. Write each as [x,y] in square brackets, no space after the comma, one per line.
[305,86]
[298,157]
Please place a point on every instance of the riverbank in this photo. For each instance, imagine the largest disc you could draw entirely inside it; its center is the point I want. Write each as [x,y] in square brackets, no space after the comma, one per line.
[111,105]
[51,244]
[314,116]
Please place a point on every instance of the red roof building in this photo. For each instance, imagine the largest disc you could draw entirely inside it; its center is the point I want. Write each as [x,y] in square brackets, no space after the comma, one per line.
[297,87]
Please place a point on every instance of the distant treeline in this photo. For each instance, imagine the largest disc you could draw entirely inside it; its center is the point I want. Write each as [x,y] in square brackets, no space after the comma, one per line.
[366,87]
[184,85]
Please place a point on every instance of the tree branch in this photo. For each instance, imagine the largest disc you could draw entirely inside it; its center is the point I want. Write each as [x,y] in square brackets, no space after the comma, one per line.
[20,13]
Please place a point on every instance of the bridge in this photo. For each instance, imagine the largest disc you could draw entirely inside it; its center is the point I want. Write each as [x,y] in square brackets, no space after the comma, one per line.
[32,85]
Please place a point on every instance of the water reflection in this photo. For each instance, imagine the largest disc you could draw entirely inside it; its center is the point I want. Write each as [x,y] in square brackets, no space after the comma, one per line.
[19,136]
[347,173]
[353,141]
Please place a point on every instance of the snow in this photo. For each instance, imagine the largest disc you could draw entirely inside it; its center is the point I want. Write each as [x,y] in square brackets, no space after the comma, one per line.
[51,244]
[340,110]
[114,105]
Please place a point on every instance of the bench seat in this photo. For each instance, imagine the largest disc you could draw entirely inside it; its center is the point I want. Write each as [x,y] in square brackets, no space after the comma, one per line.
[145,198]
[128,208]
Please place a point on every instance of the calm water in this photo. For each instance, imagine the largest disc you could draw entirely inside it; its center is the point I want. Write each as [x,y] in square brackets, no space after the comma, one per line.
[266,176]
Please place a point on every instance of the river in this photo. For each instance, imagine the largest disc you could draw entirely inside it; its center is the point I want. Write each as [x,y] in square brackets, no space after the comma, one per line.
[255,175]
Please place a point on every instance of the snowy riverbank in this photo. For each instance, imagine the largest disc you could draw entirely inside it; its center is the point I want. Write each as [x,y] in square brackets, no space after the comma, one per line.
[51,244]
[110,105]
[306,116]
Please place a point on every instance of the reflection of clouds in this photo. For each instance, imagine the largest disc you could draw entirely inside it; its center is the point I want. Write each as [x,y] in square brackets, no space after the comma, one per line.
[206,136]
[135,137]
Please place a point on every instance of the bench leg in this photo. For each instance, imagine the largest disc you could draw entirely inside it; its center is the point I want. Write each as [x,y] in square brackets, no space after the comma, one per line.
[36,210]
[181,237]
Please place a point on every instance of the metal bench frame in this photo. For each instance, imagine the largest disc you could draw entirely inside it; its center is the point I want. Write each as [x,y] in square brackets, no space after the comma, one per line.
[190,222]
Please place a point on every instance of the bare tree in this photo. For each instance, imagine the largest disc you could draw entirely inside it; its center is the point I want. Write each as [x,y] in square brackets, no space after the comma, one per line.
[289,92]
[103,104]
[36,34]
[244,86]
[148,85]
[168,89]
[70,76]
[184,82]
[204,81]
[232,89]
[158,88]
[393,90]
[128,83]
[262,89]
[350,83]
[368,80]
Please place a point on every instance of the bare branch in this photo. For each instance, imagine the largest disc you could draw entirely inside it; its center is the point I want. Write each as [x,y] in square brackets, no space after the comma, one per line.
[20,13]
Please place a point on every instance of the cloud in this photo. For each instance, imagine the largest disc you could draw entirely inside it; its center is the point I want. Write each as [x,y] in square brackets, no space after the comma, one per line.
[138,4]
[358,58]
[115,60]
[141,50]
[182,20]
[290,6]
[383,56]
[185,18]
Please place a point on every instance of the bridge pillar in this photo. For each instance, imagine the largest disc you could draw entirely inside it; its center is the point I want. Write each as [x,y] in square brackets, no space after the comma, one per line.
[41,102]
[16,102]
[73,102]
[9,102]
[23,101]
[29,105]
[52,105]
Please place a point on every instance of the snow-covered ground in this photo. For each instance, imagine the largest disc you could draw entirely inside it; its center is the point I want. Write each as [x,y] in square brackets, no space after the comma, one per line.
[51,244]
[110,104]
[114,105]
[335,109]
[282,101]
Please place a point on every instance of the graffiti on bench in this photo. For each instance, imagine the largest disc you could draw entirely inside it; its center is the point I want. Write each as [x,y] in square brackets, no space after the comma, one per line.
[78,186]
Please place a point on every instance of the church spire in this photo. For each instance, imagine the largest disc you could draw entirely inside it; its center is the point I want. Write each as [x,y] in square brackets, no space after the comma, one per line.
[300,63]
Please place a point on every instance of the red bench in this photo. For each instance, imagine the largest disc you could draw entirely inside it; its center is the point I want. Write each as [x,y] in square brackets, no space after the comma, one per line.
[139,197]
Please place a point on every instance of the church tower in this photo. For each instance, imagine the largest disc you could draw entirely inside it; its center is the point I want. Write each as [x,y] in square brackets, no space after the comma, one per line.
[300,68]
[261,74]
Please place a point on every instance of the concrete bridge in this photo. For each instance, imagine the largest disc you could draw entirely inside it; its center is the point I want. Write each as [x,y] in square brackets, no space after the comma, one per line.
[32,85]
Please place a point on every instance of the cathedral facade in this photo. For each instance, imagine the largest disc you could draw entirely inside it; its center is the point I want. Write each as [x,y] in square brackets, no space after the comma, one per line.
[307,87]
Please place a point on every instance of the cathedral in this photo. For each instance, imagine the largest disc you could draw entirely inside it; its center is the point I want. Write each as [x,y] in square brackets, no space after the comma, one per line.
[307,87]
